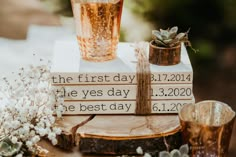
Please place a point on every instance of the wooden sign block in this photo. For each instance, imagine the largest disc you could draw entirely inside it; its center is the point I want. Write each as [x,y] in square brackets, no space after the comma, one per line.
[121,92]
[69,68]
[121,107]
[117,135]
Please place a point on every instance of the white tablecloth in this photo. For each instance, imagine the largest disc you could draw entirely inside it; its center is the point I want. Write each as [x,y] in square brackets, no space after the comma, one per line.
[40,40]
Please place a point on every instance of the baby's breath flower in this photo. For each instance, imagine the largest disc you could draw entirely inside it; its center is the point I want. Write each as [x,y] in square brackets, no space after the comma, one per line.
[36,139]
[54,141]
[139,150]
[41,131]
[57,131]
[147,155]
[32,133]
[29,144]
[27,106]
[19,155]
[14,140]
[51,136]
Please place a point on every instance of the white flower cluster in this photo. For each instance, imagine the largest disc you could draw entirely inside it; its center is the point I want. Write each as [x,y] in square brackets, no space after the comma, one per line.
[27,107]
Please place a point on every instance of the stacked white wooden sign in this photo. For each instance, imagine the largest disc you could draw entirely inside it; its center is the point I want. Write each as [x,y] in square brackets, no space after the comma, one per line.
[110,87]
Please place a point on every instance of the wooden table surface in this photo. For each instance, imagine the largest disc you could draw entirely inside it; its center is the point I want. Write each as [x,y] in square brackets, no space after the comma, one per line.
[56,152]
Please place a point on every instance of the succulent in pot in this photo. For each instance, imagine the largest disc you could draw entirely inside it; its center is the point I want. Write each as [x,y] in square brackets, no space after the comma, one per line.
[165,48]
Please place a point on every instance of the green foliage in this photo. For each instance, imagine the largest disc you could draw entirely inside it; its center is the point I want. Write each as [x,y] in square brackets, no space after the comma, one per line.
[60,7]
[66,8]
[207,48]
[211,21]
[7,148]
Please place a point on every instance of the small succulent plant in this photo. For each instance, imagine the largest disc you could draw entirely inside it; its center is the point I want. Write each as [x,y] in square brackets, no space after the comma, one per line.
[169,37]
[182,152]
[7,148]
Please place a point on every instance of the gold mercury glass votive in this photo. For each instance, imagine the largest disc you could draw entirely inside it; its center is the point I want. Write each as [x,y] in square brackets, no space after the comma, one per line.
[97,25]
[207,127]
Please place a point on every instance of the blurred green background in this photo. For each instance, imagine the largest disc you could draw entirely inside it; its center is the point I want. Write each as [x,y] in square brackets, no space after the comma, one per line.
[213,33]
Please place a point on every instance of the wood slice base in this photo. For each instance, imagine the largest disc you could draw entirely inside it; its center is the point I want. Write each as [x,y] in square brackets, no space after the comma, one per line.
[117,135]
[128,147]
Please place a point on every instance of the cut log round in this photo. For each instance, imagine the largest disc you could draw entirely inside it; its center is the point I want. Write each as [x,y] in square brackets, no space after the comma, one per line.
[124,134]
[68,139]
[117,135]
